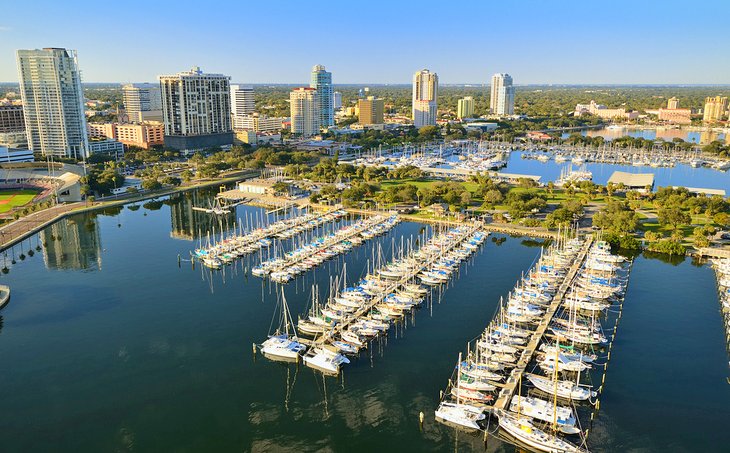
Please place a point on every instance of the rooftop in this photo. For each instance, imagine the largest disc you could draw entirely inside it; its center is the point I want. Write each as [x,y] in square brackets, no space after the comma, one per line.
[632,179]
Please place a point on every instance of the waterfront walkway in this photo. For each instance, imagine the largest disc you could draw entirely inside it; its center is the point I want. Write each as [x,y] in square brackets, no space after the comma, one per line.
[18,230]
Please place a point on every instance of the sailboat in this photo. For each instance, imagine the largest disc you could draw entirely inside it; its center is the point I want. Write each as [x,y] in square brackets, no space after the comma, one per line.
[463,415]
[283,344]
[526,432]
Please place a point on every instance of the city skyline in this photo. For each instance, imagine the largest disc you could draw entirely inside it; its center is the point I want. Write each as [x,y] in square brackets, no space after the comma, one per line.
[547,46]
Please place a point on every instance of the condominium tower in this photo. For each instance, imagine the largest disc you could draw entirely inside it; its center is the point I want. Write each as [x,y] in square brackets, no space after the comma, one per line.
[370,111]
[465,107]
[714,108]
[322,82]
[337,100]
[305,111]
[142,102]
[425,98]
[196,109]
[242,104]
[502,101]
[53,102]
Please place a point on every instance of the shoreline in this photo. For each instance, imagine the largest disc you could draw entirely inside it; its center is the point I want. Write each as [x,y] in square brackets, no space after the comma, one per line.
[29,225]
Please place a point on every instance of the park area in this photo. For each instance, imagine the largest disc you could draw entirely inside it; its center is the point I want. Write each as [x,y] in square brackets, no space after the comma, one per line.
[10,199]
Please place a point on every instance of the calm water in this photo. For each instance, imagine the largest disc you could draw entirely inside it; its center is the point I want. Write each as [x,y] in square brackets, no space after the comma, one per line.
[108,345]
[701,137]
[680,175]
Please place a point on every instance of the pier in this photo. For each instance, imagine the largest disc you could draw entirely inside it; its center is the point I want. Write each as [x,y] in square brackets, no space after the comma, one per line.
[227,249]
[332,334]
[282,270]
[513,382]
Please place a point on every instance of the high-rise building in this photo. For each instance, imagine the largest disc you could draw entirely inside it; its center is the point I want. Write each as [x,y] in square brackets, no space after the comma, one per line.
[337,100]
[714,108]
[425,98]
[370,111]
[196,109]
[322,82]
[53,102]
[673,103]
[465,107]
[142,102]
[305,111]
[502,101]
[242,104]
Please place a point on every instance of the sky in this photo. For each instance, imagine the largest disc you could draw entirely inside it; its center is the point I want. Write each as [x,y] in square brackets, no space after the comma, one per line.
[374,41]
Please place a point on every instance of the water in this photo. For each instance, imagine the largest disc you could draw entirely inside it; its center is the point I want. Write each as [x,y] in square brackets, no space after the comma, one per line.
[701,137]
[108,345]
[680,175]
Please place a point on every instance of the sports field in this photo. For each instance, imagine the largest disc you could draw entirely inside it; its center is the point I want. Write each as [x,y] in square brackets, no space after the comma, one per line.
[12,198]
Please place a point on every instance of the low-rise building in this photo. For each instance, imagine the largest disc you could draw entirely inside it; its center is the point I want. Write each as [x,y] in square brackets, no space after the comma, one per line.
[676,116]
[257,186]
[604,112]
[260,123]
[481,126]
[108,146]
[145,135]
[11,155]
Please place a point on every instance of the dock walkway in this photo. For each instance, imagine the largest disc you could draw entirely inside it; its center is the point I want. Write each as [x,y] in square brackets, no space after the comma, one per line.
[512,383]
[328,243]
[331,335]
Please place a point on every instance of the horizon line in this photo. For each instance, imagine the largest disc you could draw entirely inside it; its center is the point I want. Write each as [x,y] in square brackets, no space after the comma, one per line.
[477,84]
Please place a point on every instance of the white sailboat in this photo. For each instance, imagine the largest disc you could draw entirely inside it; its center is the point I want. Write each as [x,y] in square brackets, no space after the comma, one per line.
[526,432]
[284,343]
[463,415]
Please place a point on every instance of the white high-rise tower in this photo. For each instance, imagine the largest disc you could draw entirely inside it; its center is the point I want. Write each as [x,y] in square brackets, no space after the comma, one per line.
[53,102]
[425,98]
[502,100]
[242,104]
[305,112]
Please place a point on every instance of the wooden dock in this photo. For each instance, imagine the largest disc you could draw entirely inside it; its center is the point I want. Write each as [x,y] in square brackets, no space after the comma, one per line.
[332,242]
[331,335]
[513,381]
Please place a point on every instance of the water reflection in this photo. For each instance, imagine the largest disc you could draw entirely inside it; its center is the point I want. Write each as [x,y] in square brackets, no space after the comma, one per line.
[667,134]
[190,224]
[72,244]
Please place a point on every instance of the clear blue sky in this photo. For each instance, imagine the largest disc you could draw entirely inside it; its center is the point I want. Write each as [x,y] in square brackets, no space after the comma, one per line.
[375,41]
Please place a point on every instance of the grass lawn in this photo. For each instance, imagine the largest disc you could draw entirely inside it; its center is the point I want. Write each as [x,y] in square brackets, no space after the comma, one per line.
[12,198]
[429,183]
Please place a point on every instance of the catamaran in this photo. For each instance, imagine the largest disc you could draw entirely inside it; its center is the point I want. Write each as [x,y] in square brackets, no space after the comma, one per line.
[284,343]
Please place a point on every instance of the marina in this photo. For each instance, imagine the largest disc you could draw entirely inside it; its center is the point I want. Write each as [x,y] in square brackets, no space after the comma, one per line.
[722,270]
[314,253]
[510,162]
[354,316]
[556,308]
[257,234]
[186,378]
